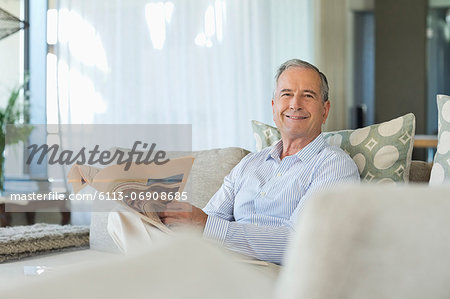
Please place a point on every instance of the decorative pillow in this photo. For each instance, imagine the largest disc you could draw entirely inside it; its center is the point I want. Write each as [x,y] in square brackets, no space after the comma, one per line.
[441,166]
[382,152]
[265,135]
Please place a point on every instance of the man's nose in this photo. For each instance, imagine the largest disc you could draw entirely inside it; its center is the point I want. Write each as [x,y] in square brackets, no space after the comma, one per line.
[296,103]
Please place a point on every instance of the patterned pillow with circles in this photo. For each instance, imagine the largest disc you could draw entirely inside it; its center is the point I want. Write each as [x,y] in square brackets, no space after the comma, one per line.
[440,172]
[265,135]
[382,151]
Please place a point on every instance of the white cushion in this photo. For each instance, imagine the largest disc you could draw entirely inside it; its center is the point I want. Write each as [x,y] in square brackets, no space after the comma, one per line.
[441,165]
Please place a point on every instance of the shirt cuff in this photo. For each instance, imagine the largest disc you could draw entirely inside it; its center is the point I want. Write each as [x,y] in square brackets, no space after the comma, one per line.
[216,229]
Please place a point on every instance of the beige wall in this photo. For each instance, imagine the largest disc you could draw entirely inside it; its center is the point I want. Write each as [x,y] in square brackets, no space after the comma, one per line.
[331,56]
[400,74]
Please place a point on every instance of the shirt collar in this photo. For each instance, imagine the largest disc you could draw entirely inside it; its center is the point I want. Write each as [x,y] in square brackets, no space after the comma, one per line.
[275,151]
[305,154]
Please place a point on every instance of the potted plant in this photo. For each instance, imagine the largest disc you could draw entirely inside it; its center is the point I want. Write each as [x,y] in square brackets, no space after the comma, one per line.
[15,113]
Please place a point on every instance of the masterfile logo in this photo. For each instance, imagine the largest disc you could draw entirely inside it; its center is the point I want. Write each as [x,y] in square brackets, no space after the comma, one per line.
[85,156]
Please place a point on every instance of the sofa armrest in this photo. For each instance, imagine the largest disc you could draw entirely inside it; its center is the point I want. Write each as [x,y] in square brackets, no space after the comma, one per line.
[368,241]
[420,172]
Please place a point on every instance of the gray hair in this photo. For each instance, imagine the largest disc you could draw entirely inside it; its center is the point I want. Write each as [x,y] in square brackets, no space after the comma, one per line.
[324,89]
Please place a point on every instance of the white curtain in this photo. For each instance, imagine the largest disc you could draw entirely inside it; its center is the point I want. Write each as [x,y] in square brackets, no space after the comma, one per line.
[209,63]
[332,45]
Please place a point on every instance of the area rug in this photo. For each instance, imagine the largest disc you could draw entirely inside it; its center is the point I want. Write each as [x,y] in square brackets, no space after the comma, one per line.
[18,242]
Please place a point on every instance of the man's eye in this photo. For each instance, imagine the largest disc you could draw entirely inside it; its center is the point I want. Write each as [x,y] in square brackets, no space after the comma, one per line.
[285,94]
[309,96]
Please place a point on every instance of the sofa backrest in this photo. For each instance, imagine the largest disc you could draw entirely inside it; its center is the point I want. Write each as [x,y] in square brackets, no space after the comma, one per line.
[209,169]
[211,166]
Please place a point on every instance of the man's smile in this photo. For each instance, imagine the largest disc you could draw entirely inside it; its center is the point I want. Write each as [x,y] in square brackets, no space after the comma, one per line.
[296,117]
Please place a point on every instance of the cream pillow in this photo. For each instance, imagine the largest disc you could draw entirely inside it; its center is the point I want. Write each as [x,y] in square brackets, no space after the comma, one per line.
[441,166]
[382,152]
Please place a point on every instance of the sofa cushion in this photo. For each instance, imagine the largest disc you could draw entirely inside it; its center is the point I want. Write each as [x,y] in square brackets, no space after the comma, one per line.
[420,172]
[208,171]
[382,152]
[369,241]
[441,165]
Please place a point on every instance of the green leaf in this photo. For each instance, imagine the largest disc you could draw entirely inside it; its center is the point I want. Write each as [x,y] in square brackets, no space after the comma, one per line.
[15,134]
[16,112]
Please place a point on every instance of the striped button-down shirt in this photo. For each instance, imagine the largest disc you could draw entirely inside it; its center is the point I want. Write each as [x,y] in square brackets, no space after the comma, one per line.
[255,210]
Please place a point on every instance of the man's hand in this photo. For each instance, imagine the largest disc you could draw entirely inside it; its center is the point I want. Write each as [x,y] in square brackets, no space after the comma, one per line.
[183,213]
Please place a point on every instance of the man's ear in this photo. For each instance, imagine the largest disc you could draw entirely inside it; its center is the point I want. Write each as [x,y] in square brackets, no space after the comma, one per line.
[326,110]
[273,109]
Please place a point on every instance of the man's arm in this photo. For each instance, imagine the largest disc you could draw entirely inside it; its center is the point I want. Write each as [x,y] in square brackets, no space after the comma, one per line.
[184,213]
[262,242]
[266,242]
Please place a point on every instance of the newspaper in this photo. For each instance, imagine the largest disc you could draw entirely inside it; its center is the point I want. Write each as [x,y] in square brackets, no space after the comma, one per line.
[142,189]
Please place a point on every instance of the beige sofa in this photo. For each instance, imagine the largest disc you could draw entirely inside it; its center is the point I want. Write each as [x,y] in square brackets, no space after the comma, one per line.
[206,177]
[358,241]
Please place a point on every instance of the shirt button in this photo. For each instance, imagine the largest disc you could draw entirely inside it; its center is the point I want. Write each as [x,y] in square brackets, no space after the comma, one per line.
[279,174]
[262,194]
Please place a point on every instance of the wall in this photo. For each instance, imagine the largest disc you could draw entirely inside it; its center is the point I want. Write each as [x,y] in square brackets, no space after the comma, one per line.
[400,54]
[331,57]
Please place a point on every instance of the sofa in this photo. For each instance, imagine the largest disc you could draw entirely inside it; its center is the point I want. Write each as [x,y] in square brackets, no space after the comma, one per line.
[384,238]
[207,174]
[320,262]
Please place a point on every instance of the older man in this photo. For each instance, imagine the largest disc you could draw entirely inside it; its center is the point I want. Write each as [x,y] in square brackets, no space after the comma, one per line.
[255,210]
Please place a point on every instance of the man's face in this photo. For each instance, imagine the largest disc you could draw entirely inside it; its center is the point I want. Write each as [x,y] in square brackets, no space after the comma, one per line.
[298,109]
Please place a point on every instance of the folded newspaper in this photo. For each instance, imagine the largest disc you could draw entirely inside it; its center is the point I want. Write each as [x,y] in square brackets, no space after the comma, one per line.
[142,189]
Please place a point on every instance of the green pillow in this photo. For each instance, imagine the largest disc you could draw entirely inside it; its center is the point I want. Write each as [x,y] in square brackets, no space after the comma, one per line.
[265,135]
[441,165]
[382,152]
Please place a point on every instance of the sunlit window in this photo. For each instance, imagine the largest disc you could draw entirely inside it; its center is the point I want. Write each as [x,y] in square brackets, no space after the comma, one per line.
[52,99]
[213,25]
[67,89]
[52,23]
[158,15]
[83,40]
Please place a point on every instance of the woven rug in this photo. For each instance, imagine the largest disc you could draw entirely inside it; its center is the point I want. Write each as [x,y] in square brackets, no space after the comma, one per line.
[17,242]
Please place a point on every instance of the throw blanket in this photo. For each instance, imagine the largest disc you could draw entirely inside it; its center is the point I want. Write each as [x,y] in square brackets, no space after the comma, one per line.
[17,242]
